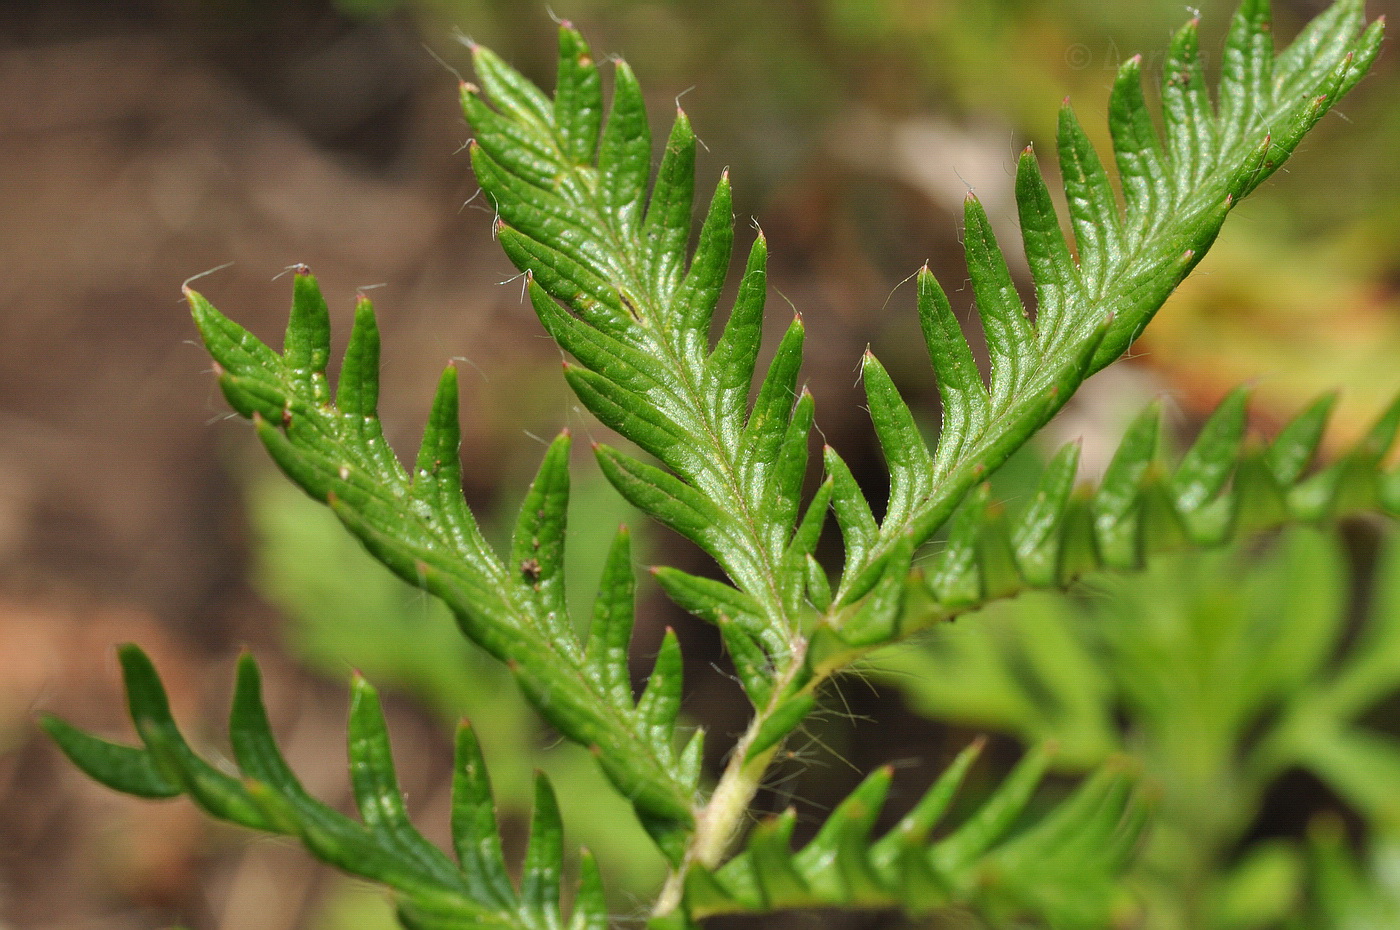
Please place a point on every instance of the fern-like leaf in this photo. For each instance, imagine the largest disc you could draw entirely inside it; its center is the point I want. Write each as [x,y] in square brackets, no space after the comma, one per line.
[1177,192]
[990,861]
[606,247]
[419,525]
[600,236]
[432,891]
[1224,488]
[596,233]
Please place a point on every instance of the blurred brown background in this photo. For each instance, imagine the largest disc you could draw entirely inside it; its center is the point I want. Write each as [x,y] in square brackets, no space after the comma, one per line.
[144,143]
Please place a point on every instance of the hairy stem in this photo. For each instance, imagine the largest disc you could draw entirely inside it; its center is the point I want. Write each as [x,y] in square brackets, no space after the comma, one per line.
[718,820]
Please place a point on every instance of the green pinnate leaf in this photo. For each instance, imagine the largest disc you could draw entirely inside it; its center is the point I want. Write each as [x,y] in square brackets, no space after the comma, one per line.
[660,703]
[1292,450]
[1128,261]
[475,836]
[544,857]
[1058,286]
[605,247]
[508,89]
[1222,489]
[989,863]
[772,408]
[578,97]
[1147,188]
[699,292]
[419,525]
[1186,108]
[128,769]
[1206,466]
[905,452]
[430,889]
[666,228]
[1093,208]
[613,616]
[624,155]
[735,495]
[1010,338]
[732,362]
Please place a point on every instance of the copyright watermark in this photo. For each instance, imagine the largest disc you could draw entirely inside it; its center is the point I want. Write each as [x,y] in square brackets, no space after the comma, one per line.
[1081,57]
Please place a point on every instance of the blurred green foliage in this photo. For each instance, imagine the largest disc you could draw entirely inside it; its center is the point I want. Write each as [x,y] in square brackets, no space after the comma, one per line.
[1352,895]
[1220,673]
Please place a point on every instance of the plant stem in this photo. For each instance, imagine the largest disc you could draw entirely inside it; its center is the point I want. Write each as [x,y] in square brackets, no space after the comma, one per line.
[717,822]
